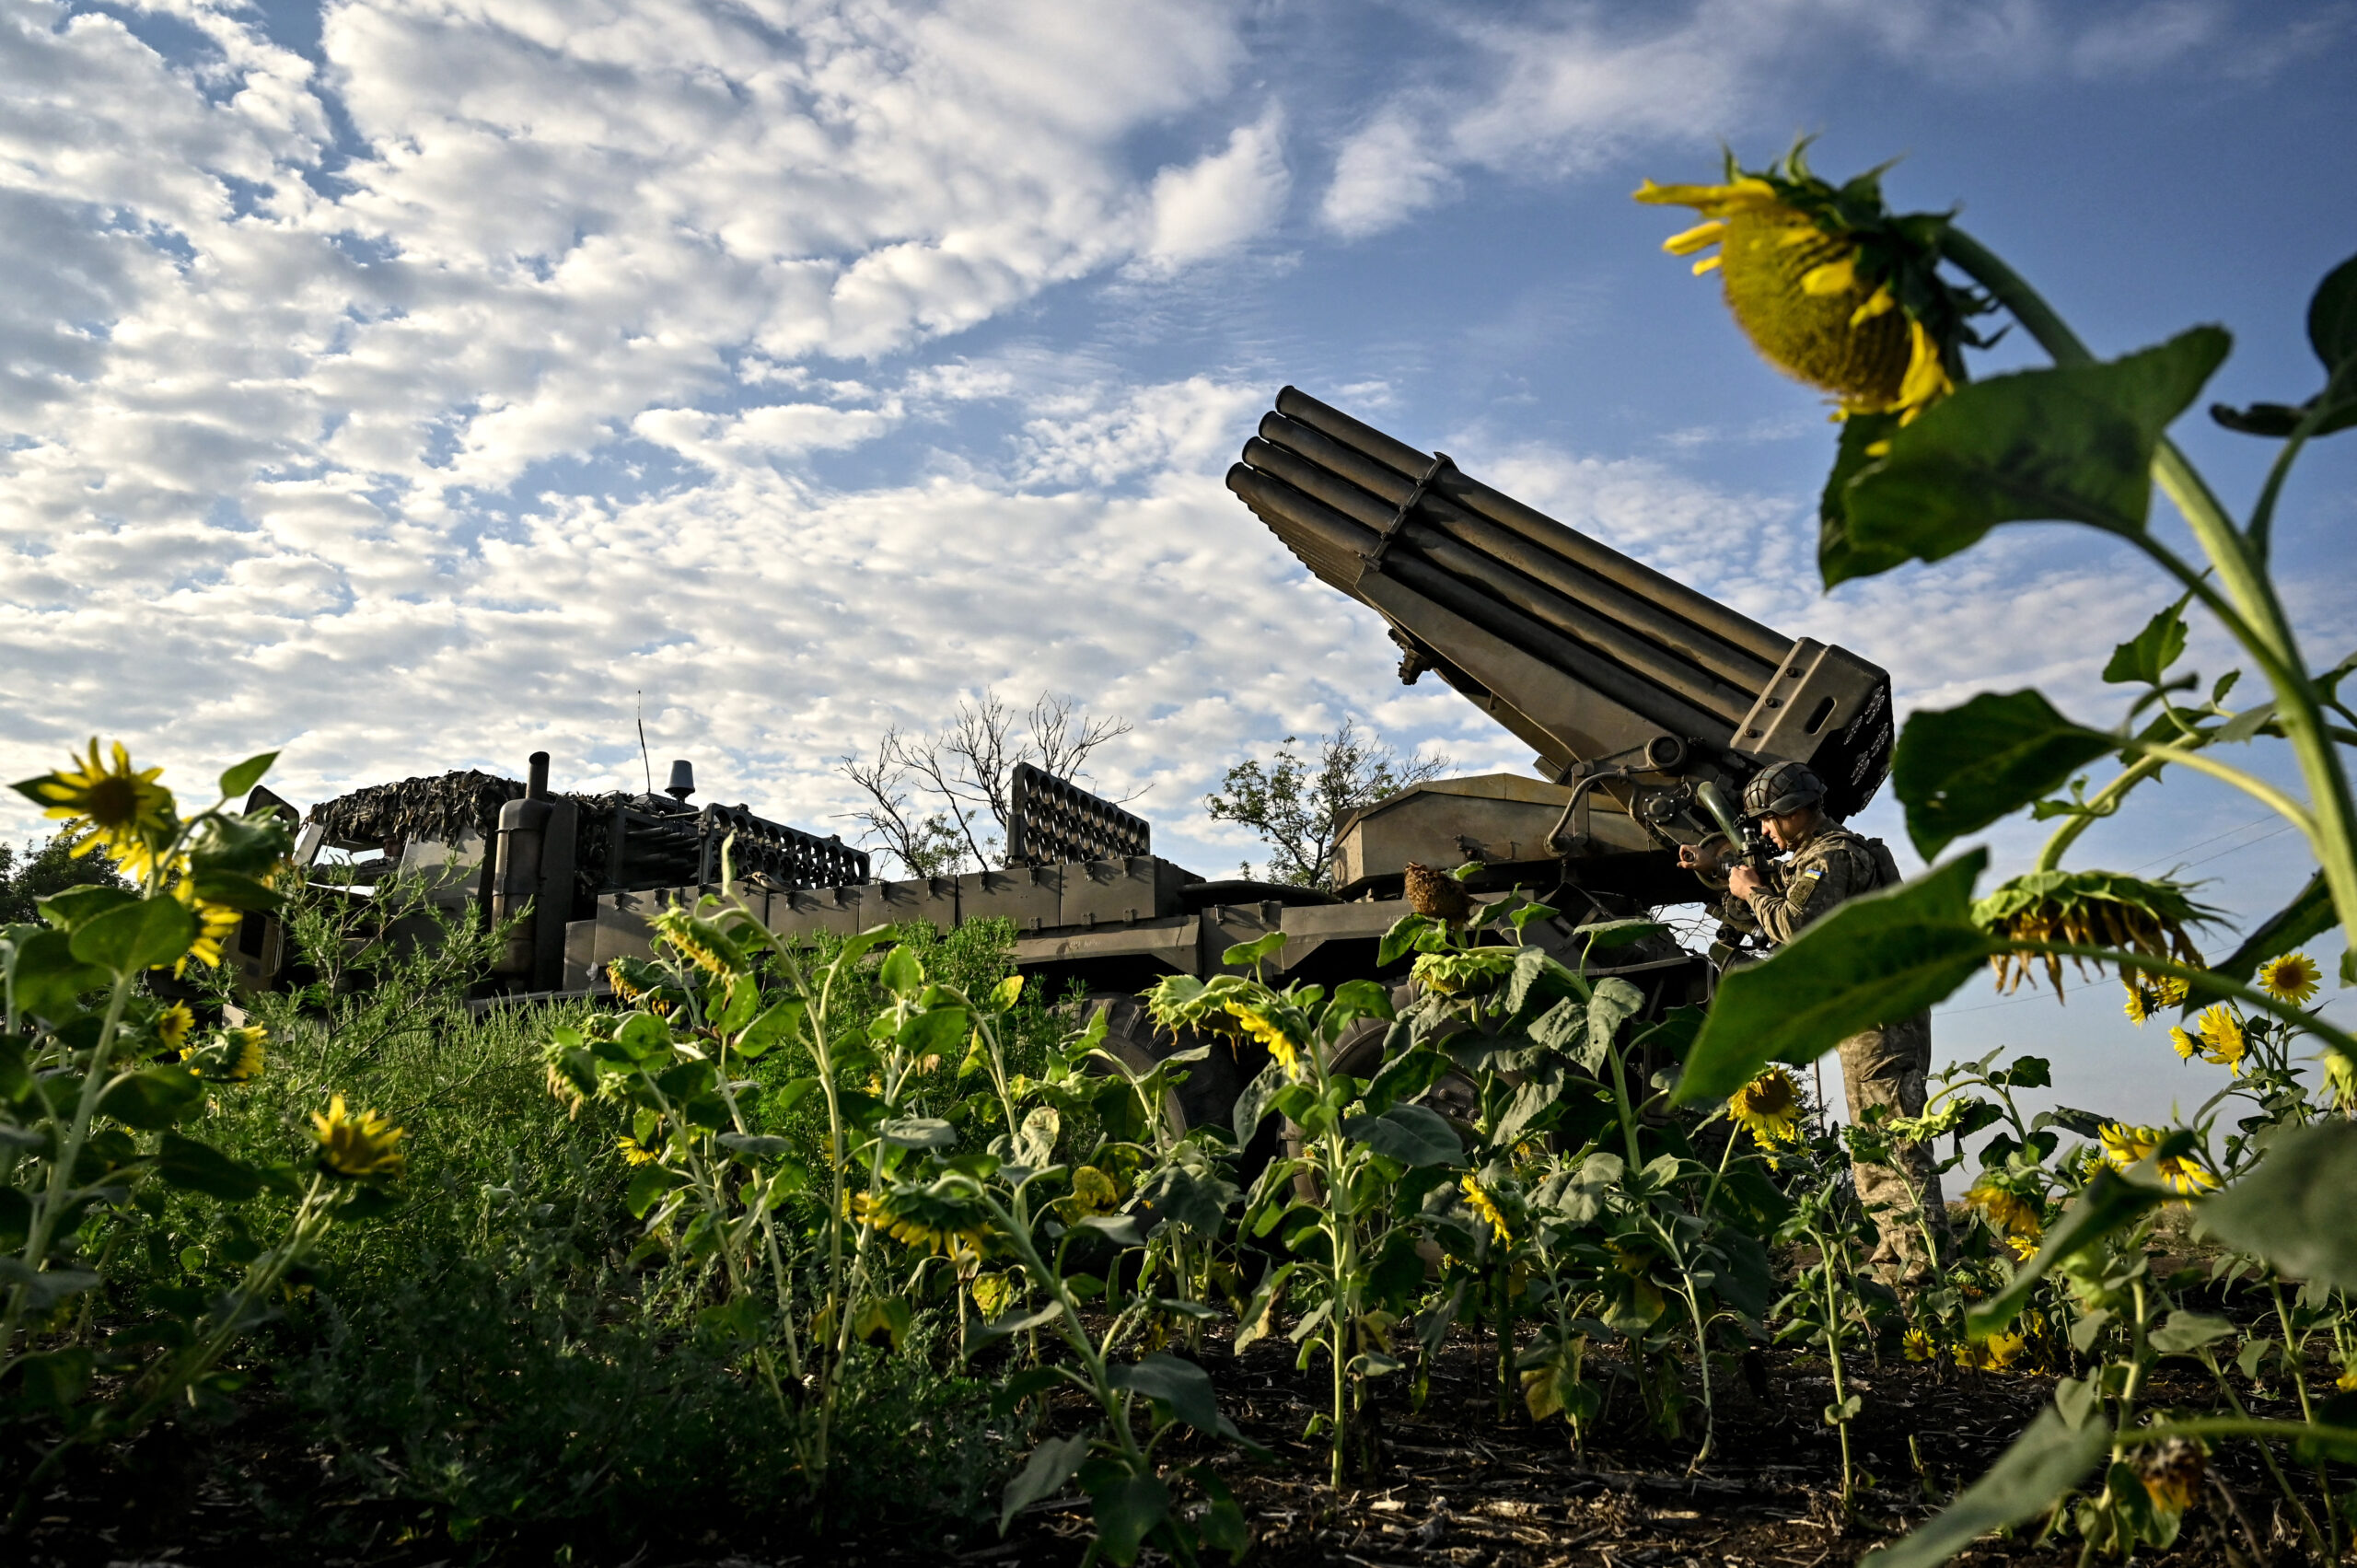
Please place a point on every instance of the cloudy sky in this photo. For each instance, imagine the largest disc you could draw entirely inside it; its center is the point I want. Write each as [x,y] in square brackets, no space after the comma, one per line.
[410,384]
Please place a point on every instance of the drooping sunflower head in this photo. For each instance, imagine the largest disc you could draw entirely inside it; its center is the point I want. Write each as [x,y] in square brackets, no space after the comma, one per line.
[2094,909]
[1830,286]
[2292,977]
[354,1147]
[2172,1473]
[233,1056]
[1482,1202]
[1768,1107]
[1266,1026]
[634,1152]
[1994,1353]
[2185,1045]
[2011,1214]
[946,1217]
[1465,973]
[2126,1146]
[108,804]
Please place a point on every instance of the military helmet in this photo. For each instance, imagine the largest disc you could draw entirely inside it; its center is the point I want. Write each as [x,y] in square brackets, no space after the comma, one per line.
[1785,787]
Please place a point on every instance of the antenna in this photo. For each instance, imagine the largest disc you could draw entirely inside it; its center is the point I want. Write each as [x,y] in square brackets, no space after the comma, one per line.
[646,761]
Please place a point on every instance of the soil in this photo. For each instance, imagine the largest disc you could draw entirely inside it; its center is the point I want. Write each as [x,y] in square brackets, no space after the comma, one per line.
[1459,1487]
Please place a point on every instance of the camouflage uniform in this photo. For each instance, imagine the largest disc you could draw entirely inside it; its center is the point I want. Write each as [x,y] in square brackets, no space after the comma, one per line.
[1884,1066]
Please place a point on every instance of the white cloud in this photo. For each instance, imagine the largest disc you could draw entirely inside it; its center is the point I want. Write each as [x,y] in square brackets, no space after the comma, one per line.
[1384,172]
[1219,203]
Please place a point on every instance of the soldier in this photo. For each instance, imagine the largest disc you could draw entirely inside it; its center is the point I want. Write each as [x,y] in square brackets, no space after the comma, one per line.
[1884,1066]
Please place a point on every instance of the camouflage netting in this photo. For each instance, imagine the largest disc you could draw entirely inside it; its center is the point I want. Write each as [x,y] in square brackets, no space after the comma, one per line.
[438,809]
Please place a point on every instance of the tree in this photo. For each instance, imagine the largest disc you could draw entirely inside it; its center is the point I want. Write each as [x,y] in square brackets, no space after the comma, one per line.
[940,804]
[37,872]
[1298,807]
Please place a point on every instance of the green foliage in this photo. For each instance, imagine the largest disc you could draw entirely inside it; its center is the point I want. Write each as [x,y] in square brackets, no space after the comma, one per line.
[37,872]
[2073,443]
[1298,806]
[1956,771]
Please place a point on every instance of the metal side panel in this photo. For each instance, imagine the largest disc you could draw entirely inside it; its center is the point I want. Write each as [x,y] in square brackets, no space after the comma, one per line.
[933,899]
[1031,895]
[1172,943]
[624,931]
[1310,926]
[1118,892]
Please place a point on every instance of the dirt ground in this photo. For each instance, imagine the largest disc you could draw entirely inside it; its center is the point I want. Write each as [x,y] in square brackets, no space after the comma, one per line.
[1460,1487]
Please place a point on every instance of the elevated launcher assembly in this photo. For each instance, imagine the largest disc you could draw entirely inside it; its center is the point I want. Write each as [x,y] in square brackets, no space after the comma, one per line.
[1648,706]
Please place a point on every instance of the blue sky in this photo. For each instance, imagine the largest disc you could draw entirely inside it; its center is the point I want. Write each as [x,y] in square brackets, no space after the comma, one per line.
[411,385]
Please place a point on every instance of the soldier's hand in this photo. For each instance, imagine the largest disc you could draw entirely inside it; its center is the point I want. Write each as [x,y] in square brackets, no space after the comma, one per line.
[1707,857]
[1744,881]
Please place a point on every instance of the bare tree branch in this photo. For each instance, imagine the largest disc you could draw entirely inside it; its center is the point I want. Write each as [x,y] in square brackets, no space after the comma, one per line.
[965,774]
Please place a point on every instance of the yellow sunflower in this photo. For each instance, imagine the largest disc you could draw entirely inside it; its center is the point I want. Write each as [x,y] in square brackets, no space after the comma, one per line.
[2143,1001]
[1483,1204]
[944,1219]
[244,1053]
[1768,1107]
[2008,1212]
[2172,1473]
[113,806]
[173,1024]
[2184,1044]
[2125,1145]
[2291,978]
[2222,1038]
[356,1146]
[1994,1353]
[1919,1345]
[215,924]
[1831,287]
[1270,1032]
[634,1151]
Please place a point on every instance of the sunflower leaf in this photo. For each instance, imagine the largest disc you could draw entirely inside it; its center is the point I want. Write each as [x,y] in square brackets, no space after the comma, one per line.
[1957,770]
[2145,658]
[2292,1208]
[2332,317]
[2073,442]
[1875,959]
[1841,557]
[2044,1461]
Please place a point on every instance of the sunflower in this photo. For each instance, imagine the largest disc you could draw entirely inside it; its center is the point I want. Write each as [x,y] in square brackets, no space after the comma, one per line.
[173,1024]
[215,924]
[2008,1212]
[945,1217]
[1919,1345]
[634,1151]
[2291,978]
[2185,1045]
[2143,1001]
[1768,1107]
[110,807]
[2172,1473]
[1458,974]
[356,1146]
[1831,287]
[2126,1146]
[1483,1204]
[1994,1353]
[244,1053]
[1261,1026]
[2091,908]
[2222,1038]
